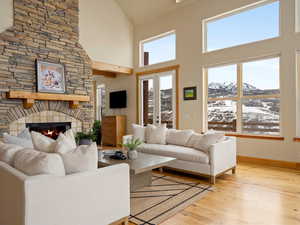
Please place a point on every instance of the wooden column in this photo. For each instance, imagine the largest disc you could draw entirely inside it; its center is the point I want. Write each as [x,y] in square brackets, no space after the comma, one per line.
[146,58]
[145,102]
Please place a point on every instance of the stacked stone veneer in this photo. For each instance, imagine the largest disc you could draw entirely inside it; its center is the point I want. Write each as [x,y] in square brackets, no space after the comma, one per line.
[45,30]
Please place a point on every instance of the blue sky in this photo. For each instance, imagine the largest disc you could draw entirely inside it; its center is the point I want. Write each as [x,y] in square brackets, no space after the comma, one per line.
[256,24]
[248,26]
[263,74]
[162,49]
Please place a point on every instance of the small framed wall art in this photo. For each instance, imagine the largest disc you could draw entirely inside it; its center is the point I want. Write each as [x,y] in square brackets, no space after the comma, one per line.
[190,93]
[50,77]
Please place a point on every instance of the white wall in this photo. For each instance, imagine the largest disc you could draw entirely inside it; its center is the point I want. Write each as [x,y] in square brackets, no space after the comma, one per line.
[6,14]
[105,32]
[187,23]
[122,82]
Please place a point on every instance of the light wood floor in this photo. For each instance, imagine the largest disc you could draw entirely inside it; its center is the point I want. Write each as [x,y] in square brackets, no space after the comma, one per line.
[256,195]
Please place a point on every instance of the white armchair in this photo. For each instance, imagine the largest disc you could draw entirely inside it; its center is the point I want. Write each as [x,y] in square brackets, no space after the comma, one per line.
[89,198]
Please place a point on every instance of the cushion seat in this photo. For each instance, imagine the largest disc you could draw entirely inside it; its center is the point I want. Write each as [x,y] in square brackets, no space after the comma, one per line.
[178,152]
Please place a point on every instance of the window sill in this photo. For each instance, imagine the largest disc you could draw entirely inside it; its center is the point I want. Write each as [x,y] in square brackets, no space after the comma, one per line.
[250,136]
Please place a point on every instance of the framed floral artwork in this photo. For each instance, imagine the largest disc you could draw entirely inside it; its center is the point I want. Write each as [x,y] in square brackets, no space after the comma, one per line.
[50,77]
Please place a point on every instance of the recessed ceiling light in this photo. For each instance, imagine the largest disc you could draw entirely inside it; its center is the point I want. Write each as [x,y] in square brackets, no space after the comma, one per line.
[178,1]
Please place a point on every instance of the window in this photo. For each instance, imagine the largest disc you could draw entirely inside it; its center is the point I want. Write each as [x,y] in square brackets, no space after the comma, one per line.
[254,23]
[100,101]
[158,49]
[245,97]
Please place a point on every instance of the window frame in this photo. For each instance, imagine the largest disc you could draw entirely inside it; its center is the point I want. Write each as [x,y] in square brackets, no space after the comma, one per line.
[234,12]
[240,96]
[297,16]
[141,47]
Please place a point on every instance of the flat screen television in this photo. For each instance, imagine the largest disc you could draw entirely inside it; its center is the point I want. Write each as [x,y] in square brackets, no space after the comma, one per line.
[118,99]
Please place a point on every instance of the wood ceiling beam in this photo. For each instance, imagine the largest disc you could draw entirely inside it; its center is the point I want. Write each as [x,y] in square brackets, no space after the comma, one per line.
[104,73]
[110,68]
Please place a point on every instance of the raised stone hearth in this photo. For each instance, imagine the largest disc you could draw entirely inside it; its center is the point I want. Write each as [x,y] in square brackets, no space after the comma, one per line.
[46,30]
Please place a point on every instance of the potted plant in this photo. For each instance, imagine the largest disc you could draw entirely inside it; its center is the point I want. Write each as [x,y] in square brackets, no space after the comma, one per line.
[131,147]
[85,138]
[97,131]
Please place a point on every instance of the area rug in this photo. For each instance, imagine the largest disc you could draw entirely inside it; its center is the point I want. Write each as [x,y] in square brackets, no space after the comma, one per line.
[164,198]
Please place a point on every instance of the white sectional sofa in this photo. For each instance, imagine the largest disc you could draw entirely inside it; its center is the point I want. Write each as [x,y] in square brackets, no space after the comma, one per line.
[90,198]
[59,183]
[215,160]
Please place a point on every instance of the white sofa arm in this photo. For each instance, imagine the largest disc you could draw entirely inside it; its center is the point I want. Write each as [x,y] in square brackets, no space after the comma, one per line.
[11,195]
[223,155]
[127,138]
[99,197]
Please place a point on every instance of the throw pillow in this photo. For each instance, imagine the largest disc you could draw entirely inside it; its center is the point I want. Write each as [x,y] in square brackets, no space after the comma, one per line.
[83,158]
[156,135]
[42,143]
[71,138]
[209,139]
[138,132]
[65,142]
[147,131]
[22,139]
[25,134]
[178,137]
[8,151]
[193,140]
[32,162]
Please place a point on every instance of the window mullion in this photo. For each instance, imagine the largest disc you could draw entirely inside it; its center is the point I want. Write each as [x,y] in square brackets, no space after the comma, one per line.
[240,96]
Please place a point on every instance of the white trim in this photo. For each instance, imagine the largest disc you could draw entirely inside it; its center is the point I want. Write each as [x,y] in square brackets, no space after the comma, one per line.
[158,36]
[244,60]
[297,16]
[156,95]
[297,92]
[98,101]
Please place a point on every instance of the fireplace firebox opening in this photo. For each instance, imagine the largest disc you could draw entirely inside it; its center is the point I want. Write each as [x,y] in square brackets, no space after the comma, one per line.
[50,130]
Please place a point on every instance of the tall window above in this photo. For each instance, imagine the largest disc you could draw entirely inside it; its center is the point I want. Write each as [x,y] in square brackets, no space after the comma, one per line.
[244,97]
[250,24]
[158,49]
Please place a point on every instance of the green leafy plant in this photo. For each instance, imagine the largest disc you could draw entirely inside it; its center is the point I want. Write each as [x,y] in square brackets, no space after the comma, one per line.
[81,135]
[97,131]
[133,144]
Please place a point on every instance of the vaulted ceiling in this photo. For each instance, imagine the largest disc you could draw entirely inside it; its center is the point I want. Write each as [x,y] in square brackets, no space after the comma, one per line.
[141,11]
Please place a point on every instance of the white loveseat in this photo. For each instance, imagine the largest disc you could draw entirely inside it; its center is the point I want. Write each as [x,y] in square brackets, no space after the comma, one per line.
[216,160]
[91,198]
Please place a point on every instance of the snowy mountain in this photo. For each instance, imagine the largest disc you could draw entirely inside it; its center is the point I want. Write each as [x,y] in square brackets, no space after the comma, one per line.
[230,86]
[230,89]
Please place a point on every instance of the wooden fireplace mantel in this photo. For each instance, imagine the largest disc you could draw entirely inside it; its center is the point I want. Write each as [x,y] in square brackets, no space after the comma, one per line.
[30,97]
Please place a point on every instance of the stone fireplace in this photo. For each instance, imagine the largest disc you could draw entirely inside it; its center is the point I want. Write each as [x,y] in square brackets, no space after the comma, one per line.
[46,30]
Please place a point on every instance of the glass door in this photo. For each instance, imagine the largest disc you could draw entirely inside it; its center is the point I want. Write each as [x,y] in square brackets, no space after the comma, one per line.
[158,96]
